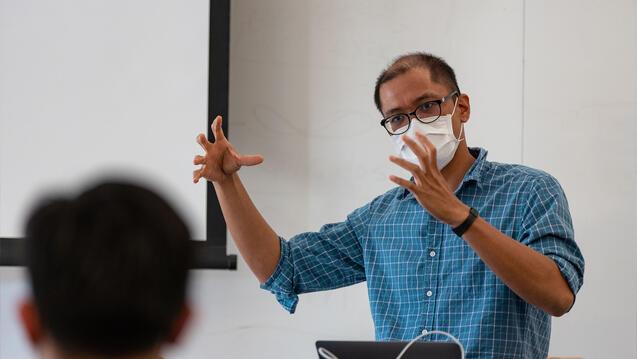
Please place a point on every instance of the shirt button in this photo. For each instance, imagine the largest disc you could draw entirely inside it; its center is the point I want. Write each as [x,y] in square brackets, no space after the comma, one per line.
[432,253]
[429,293]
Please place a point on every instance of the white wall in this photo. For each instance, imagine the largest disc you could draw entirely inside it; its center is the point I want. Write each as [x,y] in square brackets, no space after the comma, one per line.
[552,85]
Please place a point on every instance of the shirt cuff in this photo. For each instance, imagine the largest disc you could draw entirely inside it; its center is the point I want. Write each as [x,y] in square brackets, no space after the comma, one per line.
[569,273]
[281,282]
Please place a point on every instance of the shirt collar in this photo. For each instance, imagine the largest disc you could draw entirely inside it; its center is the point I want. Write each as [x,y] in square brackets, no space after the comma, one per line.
[474,174]
[477,169]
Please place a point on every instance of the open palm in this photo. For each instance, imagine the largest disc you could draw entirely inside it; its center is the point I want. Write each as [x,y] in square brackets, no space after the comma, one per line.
[221,160]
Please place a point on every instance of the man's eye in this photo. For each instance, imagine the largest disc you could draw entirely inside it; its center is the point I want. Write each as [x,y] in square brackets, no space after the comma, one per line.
[426,106]
[396,119]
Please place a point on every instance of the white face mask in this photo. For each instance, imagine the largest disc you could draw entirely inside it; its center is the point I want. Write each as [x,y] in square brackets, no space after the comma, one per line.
[439,133]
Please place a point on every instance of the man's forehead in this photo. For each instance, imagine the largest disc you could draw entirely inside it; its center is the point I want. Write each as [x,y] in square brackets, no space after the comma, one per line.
[408,88]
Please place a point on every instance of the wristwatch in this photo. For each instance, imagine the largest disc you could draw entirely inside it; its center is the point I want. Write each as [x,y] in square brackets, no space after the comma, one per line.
[473,214]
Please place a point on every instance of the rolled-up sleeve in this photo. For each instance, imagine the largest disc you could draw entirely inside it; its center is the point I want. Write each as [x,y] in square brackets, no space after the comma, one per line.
[314,261]
[548,229]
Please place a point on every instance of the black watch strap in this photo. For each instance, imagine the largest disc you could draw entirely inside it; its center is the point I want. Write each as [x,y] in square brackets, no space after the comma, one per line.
[473,214]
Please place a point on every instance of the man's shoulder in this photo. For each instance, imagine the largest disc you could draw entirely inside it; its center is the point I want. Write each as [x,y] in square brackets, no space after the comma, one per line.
[384,201]
[509,173]
[388,197]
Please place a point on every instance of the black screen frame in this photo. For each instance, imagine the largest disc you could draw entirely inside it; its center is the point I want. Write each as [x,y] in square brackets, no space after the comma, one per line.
[210,253]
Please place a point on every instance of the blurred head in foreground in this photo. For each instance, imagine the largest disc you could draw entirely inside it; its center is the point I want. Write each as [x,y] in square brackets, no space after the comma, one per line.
[108,272]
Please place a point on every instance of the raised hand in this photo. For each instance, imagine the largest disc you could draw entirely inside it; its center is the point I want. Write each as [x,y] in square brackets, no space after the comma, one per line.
[221,160]
[429,187]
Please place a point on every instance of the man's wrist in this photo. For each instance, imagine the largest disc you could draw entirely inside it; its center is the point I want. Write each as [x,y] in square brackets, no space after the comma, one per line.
[464,226]
[459,215]
[228,183]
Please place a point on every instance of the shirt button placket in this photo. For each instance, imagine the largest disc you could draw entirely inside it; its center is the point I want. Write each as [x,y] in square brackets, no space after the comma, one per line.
[432,254]
[431,273]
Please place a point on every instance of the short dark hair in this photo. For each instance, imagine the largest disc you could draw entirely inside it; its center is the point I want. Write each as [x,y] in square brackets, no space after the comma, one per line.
[108,269]
[440,71]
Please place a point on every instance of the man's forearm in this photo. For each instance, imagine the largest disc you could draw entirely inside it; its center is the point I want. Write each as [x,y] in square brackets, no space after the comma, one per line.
[530,274]
[256,240]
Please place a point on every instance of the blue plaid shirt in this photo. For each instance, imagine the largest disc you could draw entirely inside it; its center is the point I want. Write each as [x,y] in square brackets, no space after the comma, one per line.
[420,275]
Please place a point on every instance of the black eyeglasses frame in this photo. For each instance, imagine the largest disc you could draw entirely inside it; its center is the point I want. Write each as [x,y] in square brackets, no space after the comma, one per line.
[413,114]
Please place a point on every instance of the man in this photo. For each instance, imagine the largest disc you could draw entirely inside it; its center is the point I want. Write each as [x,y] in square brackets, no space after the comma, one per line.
[479,249]
[108,273]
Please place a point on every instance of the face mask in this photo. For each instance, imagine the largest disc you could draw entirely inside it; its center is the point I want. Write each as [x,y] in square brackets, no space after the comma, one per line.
[439,133]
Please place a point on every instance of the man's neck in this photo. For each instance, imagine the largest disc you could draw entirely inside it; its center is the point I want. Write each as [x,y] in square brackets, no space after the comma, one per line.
[455,171]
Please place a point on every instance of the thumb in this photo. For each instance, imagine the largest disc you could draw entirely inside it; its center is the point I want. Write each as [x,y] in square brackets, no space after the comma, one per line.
[250,160]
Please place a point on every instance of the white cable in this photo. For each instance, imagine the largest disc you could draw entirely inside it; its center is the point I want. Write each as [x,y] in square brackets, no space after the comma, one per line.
[326,354]
[429,333]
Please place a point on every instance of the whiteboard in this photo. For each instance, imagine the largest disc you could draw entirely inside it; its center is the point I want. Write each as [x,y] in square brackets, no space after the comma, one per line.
[94,89]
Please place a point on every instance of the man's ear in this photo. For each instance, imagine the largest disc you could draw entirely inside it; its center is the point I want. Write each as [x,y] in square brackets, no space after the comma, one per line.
[30,320]
[463,108]
[180,324]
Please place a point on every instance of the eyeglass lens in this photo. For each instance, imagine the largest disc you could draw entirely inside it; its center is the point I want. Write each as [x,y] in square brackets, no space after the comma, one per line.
[426,112]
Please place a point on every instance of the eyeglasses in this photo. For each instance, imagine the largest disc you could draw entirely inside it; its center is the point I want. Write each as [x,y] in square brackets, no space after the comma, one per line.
[426,112]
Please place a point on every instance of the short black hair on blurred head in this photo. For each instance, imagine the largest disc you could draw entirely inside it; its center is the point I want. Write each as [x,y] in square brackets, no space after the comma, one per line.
[108,269]
[438,68]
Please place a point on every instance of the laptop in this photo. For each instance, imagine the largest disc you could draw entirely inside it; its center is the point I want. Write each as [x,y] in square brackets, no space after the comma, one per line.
[389,350]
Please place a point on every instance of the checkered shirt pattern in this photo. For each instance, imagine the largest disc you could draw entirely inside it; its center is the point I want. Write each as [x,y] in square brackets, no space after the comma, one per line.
[421,276]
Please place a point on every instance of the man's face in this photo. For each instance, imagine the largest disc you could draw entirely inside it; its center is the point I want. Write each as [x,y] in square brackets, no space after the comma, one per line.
[405,92]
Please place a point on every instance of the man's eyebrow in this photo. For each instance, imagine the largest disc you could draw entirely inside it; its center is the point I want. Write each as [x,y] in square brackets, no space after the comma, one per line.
[415,102]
